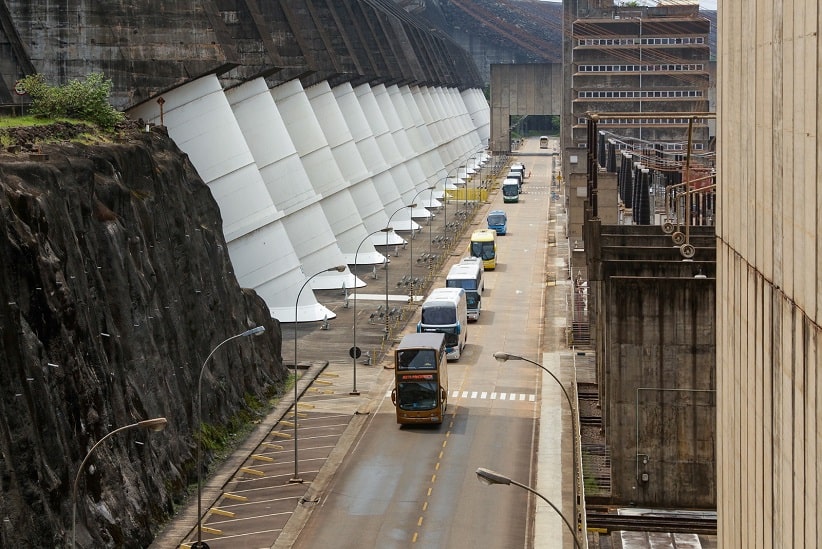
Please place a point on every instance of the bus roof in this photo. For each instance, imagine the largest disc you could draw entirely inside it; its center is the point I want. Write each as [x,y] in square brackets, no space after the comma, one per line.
[444,295]
[427,340]
[484,235]
[463,271]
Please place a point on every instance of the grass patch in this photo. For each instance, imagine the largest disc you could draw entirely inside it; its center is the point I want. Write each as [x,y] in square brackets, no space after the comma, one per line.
[30,120]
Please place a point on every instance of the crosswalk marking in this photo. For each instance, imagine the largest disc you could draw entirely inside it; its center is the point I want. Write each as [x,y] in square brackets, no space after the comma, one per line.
[485,395]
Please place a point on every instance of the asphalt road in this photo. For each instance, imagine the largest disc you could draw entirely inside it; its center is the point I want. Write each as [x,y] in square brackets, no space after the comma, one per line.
[404,486]
[342,473]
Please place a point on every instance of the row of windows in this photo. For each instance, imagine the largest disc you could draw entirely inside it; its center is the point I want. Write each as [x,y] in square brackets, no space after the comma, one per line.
[671,40]
[665,146]
[681,146]
[641,68]
[668,146]
[639,94]
[642,121]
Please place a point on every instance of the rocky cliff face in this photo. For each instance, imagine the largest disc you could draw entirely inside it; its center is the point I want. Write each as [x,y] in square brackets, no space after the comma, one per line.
[115,285]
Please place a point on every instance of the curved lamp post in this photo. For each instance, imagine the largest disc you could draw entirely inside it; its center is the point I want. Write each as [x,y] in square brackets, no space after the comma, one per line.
[339,269]
[502,357]
[474,159]
[411,251]
[156,424]
[487,476]
[411,206]
[253,331]
[355,352]
[445,204]
[445,200]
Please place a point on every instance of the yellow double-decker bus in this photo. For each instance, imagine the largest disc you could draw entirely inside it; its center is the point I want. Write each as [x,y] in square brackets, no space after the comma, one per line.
[484,246]
[420,392]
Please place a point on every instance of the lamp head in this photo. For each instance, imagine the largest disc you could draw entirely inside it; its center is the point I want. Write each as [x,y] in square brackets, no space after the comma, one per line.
[412,205]
[156,424]
[487,476]
[338,268]
[502,357]
[253,331]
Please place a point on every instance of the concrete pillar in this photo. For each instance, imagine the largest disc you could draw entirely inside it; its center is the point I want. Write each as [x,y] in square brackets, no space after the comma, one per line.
[200,120]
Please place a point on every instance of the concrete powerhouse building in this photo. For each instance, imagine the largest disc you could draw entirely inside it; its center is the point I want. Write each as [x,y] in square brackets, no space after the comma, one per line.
[769,293]
[641,60]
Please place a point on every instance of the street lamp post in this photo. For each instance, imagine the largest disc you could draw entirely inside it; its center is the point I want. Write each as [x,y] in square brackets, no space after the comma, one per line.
[445,211]
[502,357]
[339,268]
[473,161]
[445,206]
[355,351]
[410,206]
[155,424]
[253,331]
[445,201]
[411,251]
[431,233]
[487,476]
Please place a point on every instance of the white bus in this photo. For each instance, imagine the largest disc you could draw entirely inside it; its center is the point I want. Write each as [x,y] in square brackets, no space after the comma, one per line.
[445,311]
[468,276]
[543,142]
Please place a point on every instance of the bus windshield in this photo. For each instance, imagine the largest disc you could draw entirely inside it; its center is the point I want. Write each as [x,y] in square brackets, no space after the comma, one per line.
[484,250]
[417,359]
[437,316]
[509,190]
[496,219]
[451,333]
[418,394]
[464,283]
